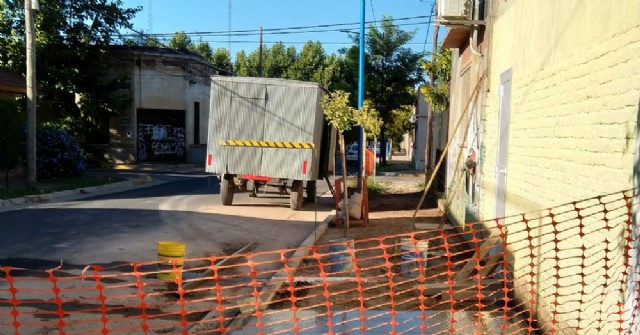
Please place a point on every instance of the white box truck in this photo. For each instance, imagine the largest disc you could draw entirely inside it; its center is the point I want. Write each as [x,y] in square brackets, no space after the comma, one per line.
[265,131]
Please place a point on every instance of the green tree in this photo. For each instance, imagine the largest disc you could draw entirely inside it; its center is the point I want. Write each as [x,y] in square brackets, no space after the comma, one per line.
[204,49]
[279,60]
[369,118]
[438,68]
[182,42]
[340,115]
[221,59]
[242,64]
[395,72]
[152,42]
[11,119]
[400,123]
[72,43]
[310,63]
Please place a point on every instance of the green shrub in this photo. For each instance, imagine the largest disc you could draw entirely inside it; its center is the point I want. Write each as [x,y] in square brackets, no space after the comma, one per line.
[58,154]
[373,188]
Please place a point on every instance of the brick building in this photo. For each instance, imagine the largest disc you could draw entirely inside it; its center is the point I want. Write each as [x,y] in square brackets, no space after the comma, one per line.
[548,94]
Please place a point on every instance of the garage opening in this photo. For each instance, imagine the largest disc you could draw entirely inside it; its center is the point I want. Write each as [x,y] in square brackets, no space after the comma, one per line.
[161,135]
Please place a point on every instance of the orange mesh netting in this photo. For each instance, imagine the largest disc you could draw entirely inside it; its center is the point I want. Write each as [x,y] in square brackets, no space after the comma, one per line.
[569,269]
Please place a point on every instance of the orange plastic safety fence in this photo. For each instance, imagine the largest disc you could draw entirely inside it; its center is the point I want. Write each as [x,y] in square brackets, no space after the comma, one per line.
[568,269]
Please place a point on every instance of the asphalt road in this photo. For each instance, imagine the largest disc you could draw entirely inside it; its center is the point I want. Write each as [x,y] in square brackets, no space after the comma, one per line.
[125,226]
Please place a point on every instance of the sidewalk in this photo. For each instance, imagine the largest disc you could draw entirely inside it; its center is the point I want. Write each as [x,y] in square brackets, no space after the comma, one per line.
[150,174]
[126,177]
[400,164]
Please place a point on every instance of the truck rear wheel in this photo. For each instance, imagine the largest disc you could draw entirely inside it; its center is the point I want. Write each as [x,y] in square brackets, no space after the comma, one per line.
[226,189]
[297,195]
[311,191]
[252,188]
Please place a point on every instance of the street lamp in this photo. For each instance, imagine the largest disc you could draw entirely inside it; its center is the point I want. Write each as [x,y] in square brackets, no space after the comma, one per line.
[29,7]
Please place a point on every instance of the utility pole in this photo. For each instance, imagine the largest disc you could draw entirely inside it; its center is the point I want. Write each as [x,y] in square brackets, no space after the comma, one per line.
[29,7]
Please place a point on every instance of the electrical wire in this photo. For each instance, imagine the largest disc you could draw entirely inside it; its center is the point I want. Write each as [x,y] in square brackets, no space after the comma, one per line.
[143,35]
[426,37]
[294,28]
[373,14]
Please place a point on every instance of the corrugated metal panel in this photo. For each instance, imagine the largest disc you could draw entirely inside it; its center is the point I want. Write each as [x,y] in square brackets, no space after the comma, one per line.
[264,109]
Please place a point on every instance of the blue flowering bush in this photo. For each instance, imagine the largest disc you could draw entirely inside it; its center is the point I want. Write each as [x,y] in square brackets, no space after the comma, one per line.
[58,154]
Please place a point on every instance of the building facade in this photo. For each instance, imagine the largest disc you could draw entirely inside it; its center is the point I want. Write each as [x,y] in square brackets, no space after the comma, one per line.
[169,109]
[546,94]
[11,84]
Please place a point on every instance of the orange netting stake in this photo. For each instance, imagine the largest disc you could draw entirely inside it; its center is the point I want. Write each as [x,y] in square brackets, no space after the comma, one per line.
[325,288]
[532,276]
[628,240]
[292,291]
[143,306]
[505,275]
[452,302]
[58,301]
[177,270]
[14,299]
[478,267]
[101,297]
[219,295]
[556,250]
[358,272]
[256,295]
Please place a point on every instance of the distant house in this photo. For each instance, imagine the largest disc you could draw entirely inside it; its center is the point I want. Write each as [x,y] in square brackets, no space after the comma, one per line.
[11,84]
[547,93]
[439,129]
[170,106]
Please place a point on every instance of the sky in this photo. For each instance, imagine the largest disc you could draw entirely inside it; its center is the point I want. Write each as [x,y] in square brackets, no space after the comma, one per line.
[281,20]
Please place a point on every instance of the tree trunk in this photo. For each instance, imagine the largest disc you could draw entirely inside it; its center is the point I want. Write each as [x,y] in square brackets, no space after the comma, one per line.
[345,207]
[383,147]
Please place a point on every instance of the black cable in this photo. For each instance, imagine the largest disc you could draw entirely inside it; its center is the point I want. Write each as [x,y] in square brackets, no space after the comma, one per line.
[269,30]
[426,37]
[200,34]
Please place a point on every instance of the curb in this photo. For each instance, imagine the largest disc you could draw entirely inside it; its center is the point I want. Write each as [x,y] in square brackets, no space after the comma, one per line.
[28,200]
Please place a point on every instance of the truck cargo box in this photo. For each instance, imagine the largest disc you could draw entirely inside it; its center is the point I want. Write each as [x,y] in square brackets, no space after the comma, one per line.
[268,127]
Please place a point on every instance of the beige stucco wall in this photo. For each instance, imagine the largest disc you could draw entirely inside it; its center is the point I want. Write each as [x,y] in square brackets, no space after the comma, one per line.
[575,96]
[161,82]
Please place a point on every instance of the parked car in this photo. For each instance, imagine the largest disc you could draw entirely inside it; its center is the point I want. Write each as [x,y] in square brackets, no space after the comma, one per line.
[352,156]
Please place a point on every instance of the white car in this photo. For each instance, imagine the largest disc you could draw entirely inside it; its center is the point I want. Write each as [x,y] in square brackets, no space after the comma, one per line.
[352,156]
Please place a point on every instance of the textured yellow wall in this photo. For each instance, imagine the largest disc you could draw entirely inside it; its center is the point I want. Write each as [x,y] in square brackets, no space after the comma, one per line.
[575,100]
[575,93]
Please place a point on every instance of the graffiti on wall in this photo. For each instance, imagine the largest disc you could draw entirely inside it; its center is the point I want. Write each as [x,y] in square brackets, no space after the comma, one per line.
[160,141]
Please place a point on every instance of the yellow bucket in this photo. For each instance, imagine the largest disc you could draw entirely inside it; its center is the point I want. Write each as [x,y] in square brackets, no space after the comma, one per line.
[171,257]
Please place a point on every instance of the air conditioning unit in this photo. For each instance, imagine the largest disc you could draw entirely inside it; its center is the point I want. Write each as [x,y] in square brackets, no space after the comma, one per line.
[454,9]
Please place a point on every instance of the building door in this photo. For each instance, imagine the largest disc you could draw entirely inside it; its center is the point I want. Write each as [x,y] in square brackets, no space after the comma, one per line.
[161,135]
[504,118]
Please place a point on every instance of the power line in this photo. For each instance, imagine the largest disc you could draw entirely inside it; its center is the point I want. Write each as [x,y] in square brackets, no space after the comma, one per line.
[296,28]
[426,36]
[283,32]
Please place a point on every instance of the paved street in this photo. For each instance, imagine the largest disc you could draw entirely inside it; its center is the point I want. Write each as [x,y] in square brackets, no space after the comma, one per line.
[125,226]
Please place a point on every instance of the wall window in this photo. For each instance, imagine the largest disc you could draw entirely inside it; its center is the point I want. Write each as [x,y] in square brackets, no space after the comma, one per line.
[196,123]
